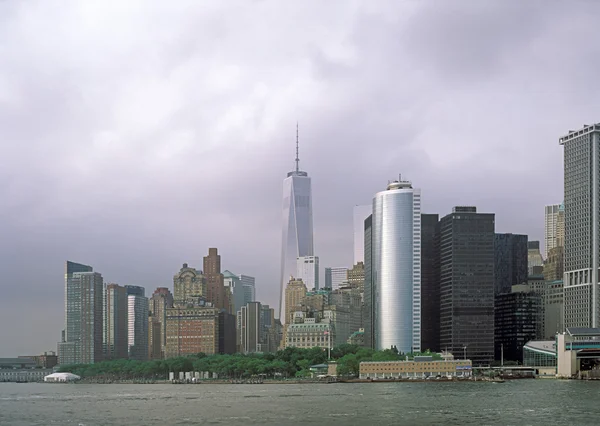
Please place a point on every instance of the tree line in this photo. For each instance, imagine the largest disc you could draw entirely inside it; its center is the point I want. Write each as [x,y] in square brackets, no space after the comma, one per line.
[289,362]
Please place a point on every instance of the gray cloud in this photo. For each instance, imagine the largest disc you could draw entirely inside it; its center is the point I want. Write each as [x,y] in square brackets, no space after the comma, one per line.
[133,137]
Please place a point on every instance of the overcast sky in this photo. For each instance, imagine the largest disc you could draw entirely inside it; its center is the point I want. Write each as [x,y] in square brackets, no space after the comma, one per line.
[134,135]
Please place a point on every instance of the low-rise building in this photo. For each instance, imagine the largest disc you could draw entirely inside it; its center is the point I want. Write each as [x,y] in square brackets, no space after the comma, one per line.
[310,334]
[541,355]
[24,375]
[46,360]
[422,367]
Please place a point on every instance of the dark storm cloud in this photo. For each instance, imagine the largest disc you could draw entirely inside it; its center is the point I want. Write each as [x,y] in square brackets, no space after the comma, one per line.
[134,136]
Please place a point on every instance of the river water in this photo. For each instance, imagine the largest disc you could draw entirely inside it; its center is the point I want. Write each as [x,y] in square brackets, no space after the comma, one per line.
[519,402]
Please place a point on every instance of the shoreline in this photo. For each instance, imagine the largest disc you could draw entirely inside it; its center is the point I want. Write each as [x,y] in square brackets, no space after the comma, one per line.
[275,382]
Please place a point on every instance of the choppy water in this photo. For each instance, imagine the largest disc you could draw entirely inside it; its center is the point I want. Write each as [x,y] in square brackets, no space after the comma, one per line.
[524,402]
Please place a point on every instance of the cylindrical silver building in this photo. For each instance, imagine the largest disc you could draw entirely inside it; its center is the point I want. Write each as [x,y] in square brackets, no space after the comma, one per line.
[397,267]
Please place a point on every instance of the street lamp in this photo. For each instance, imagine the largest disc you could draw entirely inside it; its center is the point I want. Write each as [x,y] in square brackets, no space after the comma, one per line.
[465,352]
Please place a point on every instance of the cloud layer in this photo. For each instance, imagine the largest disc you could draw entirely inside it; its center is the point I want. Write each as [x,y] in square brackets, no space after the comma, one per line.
[133,136]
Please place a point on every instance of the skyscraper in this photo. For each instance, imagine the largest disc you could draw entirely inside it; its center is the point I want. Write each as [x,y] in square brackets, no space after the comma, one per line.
[250,327]
[295,294]
[356,275]
[159,302]
[84,316]
[335,277]
[249,287]
[215,285]
[553,226]
[360,214]
[467,284]
[232,281]
[430,285]
[308,271]
[397,267]
[189,285]
[137,319]
[297,235]
[511,261]
[369,297]
[115,322]
[535,261]
[518,319]
[555,242]
[582,225]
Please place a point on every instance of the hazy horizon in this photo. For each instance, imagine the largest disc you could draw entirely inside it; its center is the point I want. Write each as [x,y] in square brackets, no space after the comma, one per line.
[134,136]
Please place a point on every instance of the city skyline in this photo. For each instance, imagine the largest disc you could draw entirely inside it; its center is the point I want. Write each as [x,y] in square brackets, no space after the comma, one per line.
[136,173]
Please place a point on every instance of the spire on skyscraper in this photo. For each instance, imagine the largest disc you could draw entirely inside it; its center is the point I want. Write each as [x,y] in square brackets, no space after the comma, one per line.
[297,158]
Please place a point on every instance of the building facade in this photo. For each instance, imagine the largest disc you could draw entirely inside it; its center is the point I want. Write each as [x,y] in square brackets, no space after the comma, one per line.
[297,233]
[511,261]
[159,302]
[249,287]
[192,330]
[554,226]
[251,327]
[369,295]
[232,282]
[467,284]
[415,369]
[554,304]
[582,222]
[310,334]
[269,341]
[356,276]
[397,267]
[308,271]
[227,333]
[535,261]
[360,213]
[84,316]
[45,360]
[115,323]
[345,312]
[137,319]
[215,281]
[518,319]
[295,294]
[430,285]
[335,277]
[188,285]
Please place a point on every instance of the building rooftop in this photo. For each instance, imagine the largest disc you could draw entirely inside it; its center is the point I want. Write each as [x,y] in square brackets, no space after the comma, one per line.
[577,133]
[17,362]
[583,331]
[544,346]
[464,209]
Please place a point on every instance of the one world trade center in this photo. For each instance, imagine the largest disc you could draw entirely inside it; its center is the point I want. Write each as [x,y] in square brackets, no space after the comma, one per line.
[297,236]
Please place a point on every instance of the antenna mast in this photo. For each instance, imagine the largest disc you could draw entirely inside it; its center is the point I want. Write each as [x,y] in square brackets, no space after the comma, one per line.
[297,158]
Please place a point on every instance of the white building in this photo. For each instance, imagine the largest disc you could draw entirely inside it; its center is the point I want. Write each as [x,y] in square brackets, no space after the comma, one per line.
[307,269]
[582,226]
[396,267]
[360,214]
[137,330]
[297,234]
[336,277]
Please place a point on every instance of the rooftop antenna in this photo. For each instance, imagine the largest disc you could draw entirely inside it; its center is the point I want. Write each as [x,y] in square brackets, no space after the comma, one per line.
[297,158]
